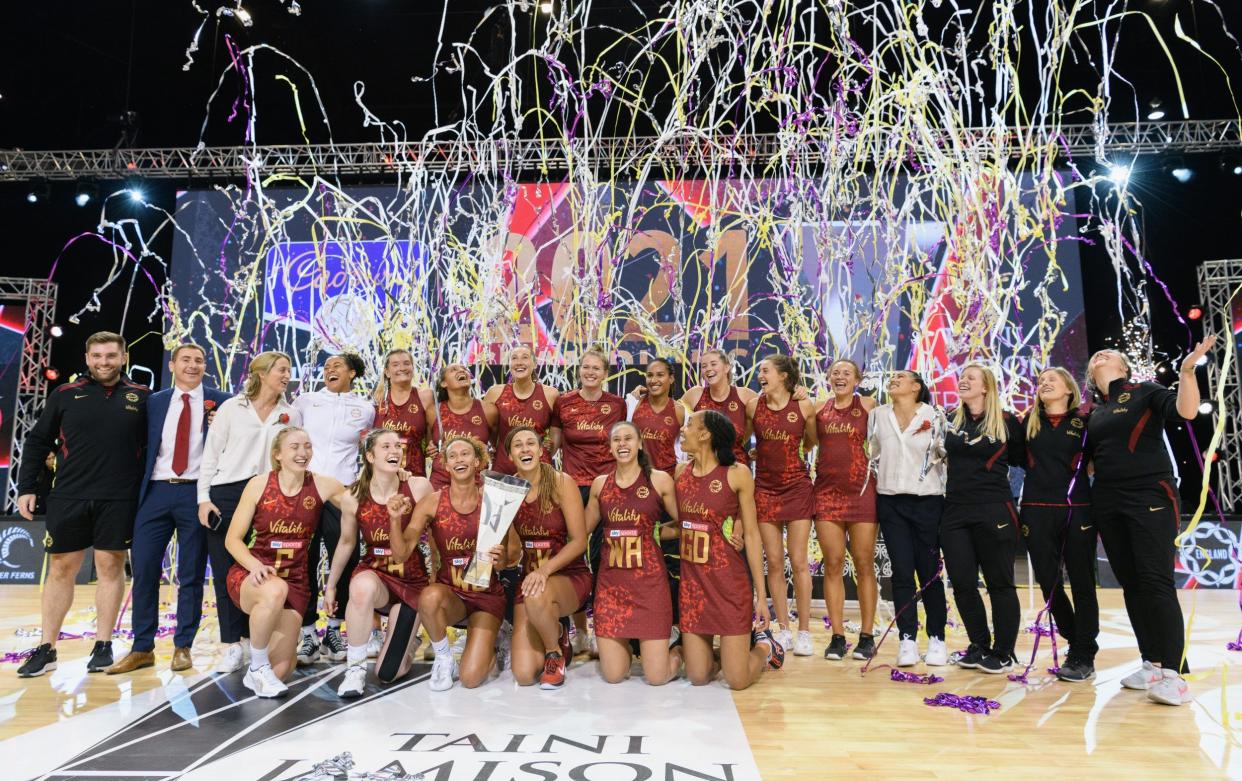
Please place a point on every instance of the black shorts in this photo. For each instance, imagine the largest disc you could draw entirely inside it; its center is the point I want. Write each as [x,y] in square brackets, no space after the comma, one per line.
[78,524]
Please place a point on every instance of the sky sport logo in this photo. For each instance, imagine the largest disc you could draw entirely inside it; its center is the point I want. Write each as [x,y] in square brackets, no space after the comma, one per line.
[12,570]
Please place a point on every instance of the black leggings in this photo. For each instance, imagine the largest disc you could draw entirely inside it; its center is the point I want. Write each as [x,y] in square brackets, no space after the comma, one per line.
[329,533]
[911,528]
[234,624]
[983,536]
[1137,526]
[1057,536]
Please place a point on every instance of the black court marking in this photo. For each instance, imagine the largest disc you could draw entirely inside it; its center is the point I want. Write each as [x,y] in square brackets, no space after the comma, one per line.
[224,718]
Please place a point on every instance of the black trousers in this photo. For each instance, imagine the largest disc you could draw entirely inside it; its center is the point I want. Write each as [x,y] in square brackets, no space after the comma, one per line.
[234,624]
[328,533]
[911,528]
[983,536]
[1060,538]
[1137,526]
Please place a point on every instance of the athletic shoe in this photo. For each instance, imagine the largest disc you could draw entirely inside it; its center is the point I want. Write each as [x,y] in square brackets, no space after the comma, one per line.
[264,683]
[836,648]
[785,637]
[101,657]
[43,660]
[1076,670]
[1143,678]
[553,676]
[443,673]
[865,648]
[907,653]
[308,649]
[674,636]
[776,653]
[969,660]
[937,653]
[579,643]
[231,662]
[565,644]
[592,645]
[459,642]
[375,644]
[355,681]
[803,645]
[333,646]
[995,664]
[504,646]
[1171,689]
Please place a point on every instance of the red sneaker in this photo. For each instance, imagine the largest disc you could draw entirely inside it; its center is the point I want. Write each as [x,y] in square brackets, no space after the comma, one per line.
[553,672]
[567,648]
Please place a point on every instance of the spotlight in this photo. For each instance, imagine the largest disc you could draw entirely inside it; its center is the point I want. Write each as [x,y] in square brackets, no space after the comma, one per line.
[1118,174]
[1206,408]
[56,331]
[1182,174]
[85,194]
[51,373]
[39,192]
[1156,109]
[1194,313]
[136,195]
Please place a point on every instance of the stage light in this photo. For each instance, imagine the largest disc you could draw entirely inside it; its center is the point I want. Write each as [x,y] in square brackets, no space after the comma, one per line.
[1194,312]
[56,331]
[51,373]
[85,194]
[545,7]
[1118,174]
[39,192]
[1206,408]
[31,197]
[1157,109]
[1182,174]
[136,195]
[1237,170]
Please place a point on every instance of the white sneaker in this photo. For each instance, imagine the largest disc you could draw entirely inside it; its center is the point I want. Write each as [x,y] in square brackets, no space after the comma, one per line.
[803,646]
[459,643]
[443,673]
[907,653]
[264,683]
[375,644]
[937,653]
[231,662]
[592,645]
[1143,678]
[784,637]
[504,646]
[355,681]
[1171,689]
[579,642]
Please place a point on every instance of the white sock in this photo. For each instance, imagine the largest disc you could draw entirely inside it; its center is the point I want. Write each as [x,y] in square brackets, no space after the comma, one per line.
[334,623]
[441,646]
[308,631]
[258,658]
[355,654]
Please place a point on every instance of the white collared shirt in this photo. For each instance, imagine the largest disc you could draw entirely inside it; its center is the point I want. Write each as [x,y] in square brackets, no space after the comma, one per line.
[163,469]
[239,445]
[335,422]
[910,461]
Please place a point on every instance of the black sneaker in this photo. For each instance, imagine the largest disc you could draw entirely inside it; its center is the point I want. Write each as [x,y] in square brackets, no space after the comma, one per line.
[1076,670]
[865,648]
[43,660]
[836,648]
[995,664]
[308,649]
[101,657]
[970,658]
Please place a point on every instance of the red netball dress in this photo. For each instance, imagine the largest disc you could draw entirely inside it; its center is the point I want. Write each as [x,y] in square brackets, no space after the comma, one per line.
[543,535]
[631,594]
[282,530]
[716,595]
[471,423]
[841,468]
[783,489]
[455,534]
[659,432]
[531,412]
[409,420]
[405,581]
[734,409]
[585,426]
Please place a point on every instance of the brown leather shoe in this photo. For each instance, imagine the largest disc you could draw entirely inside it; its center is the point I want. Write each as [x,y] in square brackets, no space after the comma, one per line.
[181,660]
[134,660]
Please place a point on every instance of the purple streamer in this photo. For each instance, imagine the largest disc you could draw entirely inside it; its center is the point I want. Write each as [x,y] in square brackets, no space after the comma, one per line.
[904,677]
[965,703]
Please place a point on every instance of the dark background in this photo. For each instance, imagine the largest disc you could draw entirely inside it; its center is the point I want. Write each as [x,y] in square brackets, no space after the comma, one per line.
[71,71]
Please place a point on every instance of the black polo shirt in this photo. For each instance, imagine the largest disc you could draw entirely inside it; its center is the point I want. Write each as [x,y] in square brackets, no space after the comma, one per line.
[1054,456]
[1125,435]
[977,466]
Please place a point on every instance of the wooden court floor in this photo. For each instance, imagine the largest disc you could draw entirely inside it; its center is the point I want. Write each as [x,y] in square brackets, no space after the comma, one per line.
[821,719]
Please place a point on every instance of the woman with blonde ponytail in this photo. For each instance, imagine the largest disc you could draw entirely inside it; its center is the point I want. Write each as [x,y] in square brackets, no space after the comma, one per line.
[555,580]
[402,407]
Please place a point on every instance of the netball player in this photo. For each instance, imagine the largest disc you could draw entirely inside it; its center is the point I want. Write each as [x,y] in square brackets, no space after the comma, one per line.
[631,591]
[979,528]
[453,514]
[715,494]
[459,414]
[269,581]
[1135,507]
[719,393]
[521,403]
[405,409]
[378,583]
[845,505]
[784,429]
[658,418]
[555,580]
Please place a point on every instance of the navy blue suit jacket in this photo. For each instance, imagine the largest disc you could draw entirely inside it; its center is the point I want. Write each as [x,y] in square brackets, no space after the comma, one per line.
[157,410]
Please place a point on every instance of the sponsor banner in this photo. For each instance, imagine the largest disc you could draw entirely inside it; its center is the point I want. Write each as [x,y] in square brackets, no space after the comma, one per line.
[21,550]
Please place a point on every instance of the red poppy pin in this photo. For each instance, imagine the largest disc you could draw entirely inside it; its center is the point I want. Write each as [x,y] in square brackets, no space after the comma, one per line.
[209,405]
[284,418]
[925,427]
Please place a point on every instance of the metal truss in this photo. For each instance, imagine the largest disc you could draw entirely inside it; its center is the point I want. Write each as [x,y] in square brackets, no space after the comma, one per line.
[39,298]
[1217,281]
[615,153]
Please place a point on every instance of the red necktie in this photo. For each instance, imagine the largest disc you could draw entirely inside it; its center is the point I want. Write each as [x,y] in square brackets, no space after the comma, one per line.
[181,450]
